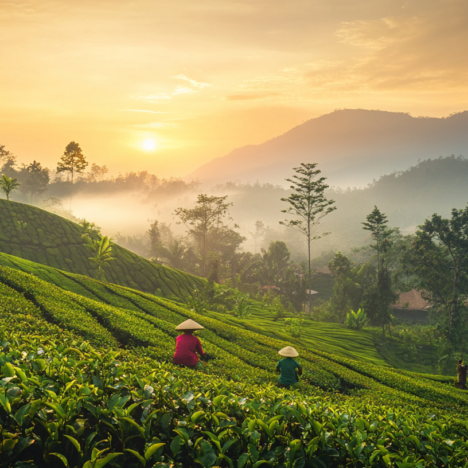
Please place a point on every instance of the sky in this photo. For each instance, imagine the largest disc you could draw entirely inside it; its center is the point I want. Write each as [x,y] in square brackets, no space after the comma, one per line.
[167,86]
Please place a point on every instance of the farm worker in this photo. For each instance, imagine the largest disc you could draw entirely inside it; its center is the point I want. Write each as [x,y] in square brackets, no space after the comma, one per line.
[188,345]
[288,367]
[461,370]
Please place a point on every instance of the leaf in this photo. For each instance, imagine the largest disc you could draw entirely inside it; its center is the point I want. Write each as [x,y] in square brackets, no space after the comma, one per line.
[104,461]
[8,370]
[242,460]
[152,450]
[57,408]
[75,443]
[208,459]
[261,462]
[137,455]
[61,457]
[135,424]
[197,416]
[175,445]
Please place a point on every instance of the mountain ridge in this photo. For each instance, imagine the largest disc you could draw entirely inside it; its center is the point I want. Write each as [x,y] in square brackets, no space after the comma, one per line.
[351,146]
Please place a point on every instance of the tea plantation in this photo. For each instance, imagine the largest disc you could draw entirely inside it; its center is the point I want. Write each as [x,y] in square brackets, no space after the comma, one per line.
[86,380]
[37,235]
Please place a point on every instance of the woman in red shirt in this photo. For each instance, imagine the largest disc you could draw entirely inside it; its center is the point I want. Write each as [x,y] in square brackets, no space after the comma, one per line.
[188,345]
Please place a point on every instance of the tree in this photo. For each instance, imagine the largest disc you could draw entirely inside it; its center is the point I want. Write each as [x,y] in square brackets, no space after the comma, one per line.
[102,250]
[205,224]
[381,296]
[8,184]
[377,225]
[257,234]
[440,259]
[35,179]
[309,204]
[72,160]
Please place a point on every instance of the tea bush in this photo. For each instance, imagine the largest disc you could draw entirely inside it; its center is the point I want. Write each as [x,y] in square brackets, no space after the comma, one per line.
[66,403]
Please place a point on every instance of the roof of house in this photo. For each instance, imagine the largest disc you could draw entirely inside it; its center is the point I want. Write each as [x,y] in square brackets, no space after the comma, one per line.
[412,300]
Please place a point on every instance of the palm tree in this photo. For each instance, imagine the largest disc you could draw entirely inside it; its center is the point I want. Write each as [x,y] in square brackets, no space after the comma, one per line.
[8,184]
[102,249]
[178,254]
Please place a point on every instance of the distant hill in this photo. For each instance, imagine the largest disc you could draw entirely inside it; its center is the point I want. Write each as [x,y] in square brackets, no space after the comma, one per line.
[37,235]
[352,147]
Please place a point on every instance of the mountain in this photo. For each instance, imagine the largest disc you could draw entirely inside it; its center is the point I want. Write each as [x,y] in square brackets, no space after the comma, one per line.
[37,235]
[352,147]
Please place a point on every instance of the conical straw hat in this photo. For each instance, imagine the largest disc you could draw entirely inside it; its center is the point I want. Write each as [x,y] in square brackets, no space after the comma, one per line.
[189,325]
[289,351]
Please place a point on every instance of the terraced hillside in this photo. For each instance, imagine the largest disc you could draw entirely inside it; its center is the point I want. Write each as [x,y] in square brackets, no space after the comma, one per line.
[37,235]
[118,400]
[363,345]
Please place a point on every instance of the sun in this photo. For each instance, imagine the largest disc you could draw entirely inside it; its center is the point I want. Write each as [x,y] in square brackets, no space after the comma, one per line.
[149,145]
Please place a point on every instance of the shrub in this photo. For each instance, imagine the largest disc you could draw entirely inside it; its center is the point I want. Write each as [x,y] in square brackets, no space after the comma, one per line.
[356,320]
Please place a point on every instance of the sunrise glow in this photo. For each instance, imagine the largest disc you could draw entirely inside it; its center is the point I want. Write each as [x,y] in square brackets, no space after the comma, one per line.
[149,145]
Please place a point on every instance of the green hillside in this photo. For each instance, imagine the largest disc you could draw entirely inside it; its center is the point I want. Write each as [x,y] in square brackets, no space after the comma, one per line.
[37,235]
[363,345]
[87,380]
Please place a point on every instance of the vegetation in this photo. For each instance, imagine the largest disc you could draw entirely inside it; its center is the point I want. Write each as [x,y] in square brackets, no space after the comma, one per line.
[54,241]
[102,253]
[118,400]
[309,205]
[72,161]
[8,185]
[356,320]
[205,225]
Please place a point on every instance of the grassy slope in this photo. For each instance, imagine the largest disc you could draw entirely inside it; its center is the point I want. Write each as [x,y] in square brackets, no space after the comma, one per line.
[326,337]
[364,345]
[132,319]
[51,240]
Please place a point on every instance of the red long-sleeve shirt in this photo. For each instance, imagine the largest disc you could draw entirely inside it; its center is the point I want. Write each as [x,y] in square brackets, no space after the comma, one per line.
[186,350]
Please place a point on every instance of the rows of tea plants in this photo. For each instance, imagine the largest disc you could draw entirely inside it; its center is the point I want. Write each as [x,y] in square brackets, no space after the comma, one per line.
[48,239]
[66,403]
[238,352]
[128,328]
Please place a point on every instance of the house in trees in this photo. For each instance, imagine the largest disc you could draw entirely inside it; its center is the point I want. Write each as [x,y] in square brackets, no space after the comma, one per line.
[411,307]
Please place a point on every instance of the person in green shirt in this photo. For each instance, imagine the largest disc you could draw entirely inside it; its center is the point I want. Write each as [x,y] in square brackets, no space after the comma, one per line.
[288,368]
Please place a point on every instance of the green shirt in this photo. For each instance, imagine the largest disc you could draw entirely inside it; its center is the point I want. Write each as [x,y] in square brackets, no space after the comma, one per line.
[288,368]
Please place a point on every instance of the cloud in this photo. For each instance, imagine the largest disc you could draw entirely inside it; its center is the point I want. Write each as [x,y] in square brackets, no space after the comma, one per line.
[183,90]
[194,83]
[426,52]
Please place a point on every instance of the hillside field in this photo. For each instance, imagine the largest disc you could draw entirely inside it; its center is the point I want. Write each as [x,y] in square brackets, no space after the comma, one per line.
[37,235]
[87,380]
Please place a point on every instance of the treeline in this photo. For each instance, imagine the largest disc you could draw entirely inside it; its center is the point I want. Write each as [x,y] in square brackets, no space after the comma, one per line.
[73,174]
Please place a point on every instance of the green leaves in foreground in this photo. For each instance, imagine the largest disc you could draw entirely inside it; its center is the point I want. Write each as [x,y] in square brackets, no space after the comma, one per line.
[64,403]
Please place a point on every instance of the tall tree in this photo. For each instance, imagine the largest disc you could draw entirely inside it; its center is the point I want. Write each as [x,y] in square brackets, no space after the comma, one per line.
[8,184]
[205,224]
[382,295]
[308,204]
[440,259]
[72,160]
[35,179]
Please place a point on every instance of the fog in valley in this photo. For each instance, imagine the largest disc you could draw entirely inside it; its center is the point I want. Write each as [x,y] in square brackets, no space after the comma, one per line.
[124,207]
